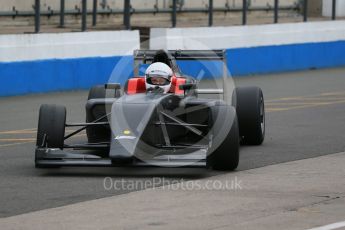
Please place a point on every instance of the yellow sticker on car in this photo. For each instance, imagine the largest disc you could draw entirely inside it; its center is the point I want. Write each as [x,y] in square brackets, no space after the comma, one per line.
[126,132]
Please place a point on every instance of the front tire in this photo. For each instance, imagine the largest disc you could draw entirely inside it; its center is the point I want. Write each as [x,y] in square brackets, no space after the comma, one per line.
[226,156]
[250,109]
[51,126]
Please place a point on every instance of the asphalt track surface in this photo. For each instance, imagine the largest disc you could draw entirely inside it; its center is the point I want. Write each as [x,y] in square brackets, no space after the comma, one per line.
[305,118]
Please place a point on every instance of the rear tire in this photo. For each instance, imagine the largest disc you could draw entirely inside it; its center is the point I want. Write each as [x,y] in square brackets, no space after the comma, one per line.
[96,134]
[250,109]
[51,123]
[226,156]
[97,91]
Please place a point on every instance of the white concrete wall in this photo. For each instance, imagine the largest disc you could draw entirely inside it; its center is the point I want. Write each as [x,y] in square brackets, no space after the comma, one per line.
[327,8]
[246,36]
[24,47]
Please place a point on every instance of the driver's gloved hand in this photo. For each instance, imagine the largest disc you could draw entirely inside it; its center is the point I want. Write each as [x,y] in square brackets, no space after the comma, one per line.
[156,89]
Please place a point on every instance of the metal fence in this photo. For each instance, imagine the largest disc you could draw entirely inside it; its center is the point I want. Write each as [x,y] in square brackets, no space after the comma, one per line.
[174,10]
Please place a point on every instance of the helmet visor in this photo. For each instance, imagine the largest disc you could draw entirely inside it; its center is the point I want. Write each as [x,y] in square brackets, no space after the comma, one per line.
[158,79]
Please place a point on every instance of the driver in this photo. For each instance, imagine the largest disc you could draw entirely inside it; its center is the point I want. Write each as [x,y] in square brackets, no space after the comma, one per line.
[158,77]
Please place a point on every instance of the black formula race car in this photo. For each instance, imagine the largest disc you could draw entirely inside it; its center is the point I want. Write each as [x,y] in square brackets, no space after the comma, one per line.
[137,127]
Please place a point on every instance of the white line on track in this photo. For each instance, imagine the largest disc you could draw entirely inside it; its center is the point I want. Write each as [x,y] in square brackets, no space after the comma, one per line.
[330,226]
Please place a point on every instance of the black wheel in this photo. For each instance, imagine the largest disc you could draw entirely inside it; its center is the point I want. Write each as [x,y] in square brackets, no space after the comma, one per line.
[97,91]
[51,126]
[250,108]
[96,134]
[226,156]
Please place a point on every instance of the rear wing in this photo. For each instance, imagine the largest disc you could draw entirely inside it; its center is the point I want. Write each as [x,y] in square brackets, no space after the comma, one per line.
[182,54]
[146,57]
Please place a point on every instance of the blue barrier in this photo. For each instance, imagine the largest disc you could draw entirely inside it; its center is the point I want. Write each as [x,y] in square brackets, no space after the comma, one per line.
[18,78]
[270,59]
[282,58]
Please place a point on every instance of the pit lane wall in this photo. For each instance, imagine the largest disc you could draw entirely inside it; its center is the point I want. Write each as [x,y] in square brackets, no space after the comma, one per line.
[36,63]
[260,49]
